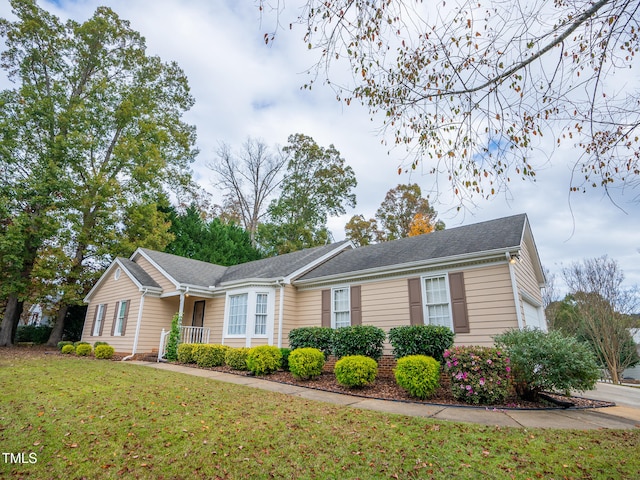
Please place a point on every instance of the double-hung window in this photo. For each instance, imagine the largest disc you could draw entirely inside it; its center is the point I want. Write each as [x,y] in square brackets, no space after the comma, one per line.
[237,314]
[437,301]
[97,326]
[260,327]
[341,311]
[121,313]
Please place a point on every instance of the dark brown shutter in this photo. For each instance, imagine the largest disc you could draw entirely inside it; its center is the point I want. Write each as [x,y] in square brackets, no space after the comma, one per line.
[416,313]
[104,318]
[458,303]
[115,318]
[126,315]
[326,308]
[356,305]
[95,317]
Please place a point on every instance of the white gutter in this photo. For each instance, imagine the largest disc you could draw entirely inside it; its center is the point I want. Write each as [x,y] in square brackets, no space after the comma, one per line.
[280,314]
[514,287]
[138,323]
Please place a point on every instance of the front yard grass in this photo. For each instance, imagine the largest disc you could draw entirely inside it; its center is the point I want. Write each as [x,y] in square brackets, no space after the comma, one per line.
[84,418]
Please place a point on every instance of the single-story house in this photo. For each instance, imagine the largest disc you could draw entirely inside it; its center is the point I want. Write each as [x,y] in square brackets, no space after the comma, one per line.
[479,280]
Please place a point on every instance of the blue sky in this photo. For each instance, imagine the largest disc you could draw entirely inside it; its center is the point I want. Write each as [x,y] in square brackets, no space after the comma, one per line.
[245,88]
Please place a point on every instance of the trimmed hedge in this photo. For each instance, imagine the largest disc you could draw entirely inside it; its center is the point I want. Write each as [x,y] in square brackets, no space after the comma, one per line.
[306,363]
[209,355]
[479,375]
[312,337]
[31,333]
[356,371]
[185,353]
[365,340]
[97,344]
[284,365]
[68,349]
[429,340]
[83,350]
[104,352]
[419,375]
[236,358]
[63,343]
[264,359]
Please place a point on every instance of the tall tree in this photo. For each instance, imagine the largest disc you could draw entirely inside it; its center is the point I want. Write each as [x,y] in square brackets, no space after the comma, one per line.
[601,311]
[471,86]
[362,232]
[92,128]
[317,184]
[249,178]
[213,241]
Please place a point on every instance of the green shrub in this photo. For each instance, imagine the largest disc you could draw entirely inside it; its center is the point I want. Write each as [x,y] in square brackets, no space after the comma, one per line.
[75,344]
[104,352]
[356,371]
[209,355]
[174,339]
[83,350]
[68,349]
[31,333]
[479,375]
[284,365]
[236,358]
[264,359]
[312,337]
[97,344]
[548,361]
[306,363]
[63,343]
[429,340]
[185,353]
[419,375]
[365,340]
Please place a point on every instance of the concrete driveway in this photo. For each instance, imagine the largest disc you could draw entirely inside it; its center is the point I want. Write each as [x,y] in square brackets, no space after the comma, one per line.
[621,395]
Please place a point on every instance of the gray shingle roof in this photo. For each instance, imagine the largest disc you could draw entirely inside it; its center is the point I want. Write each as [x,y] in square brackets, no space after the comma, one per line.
[185,270]
[138,273]
[503,233]
[277,267]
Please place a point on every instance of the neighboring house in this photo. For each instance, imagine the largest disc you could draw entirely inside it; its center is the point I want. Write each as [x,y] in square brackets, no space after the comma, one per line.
[479,280]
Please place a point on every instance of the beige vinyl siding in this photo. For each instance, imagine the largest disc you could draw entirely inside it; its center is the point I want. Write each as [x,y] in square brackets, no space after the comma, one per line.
[157,313]
[110,293]
[298,311]
[234,342]
[164,282]
[526,278]
[490,304]
[214,318]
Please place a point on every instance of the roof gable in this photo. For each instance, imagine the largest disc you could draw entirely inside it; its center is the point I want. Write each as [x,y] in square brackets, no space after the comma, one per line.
[135,272]
[494,235]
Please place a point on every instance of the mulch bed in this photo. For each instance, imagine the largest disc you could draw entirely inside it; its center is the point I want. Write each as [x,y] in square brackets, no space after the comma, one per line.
[383,389]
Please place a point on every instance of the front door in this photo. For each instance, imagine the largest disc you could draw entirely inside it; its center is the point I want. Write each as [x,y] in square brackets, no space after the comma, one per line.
[198,314]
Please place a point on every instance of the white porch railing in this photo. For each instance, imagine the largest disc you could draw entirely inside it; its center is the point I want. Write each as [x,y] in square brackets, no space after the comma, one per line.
[187,335]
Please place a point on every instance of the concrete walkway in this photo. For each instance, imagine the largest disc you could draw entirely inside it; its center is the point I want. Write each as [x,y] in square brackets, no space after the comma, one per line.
[623,416]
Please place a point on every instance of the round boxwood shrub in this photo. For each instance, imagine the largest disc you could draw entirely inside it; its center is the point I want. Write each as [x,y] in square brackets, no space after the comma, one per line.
[63,343]
[306,363]
[419,375]
[83,350]
[185,353]
[264,359]
[236,358]
[365,340]
[548,361]
[104,352]
[479,375]
[284,364]
[356,371]
[429,340]
[209,355]
[68,349]
[97,344]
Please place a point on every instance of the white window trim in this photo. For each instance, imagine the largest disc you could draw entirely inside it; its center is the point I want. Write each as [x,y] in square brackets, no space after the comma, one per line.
[425,307]
[117,333]
[101,308]
[252,295]
[333,303]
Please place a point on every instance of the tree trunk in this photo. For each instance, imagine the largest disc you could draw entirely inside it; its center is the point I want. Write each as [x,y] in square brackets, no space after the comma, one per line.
[58,328]
[12,313]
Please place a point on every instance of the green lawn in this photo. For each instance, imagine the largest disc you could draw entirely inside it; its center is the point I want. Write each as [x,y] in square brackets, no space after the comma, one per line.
[84,418]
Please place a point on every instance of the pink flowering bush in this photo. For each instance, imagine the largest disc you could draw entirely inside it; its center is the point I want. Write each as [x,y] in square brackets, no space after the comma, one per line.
[479,375]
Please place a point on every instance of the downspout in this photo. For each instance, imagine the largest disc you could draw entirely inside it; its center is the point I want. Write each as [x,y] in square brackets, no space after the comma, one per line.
[280,313]
[138,323]
[514,288]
